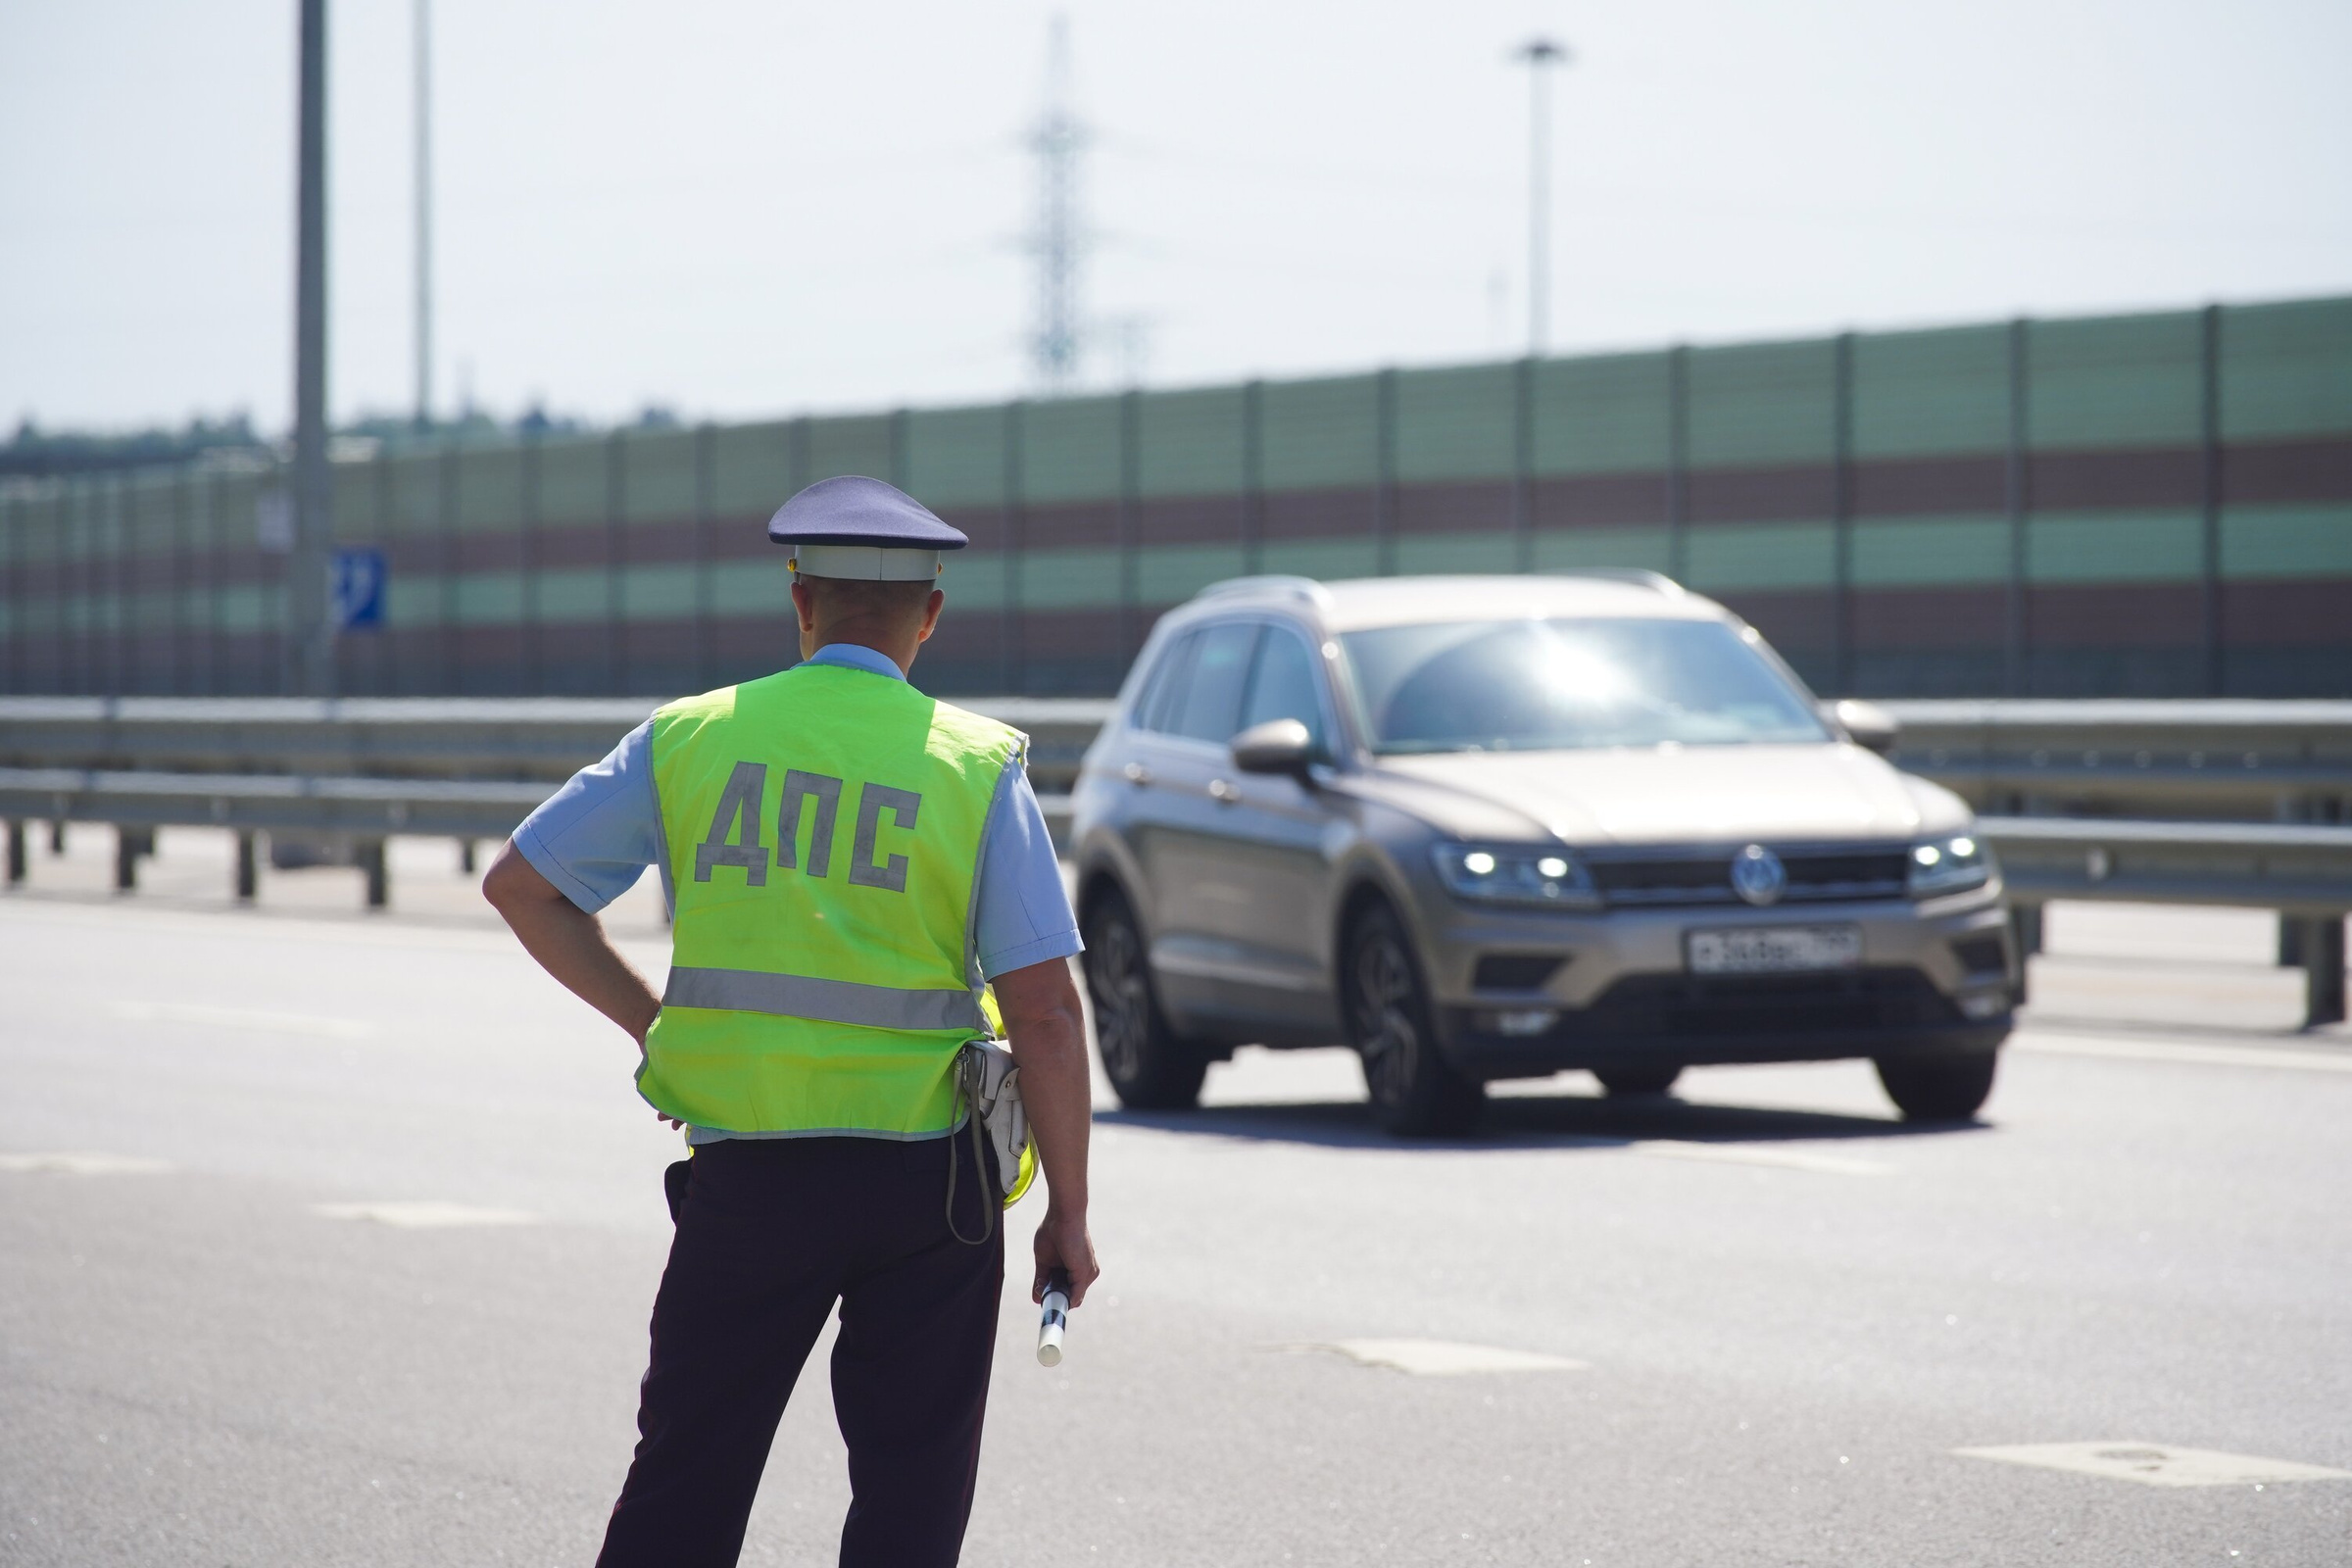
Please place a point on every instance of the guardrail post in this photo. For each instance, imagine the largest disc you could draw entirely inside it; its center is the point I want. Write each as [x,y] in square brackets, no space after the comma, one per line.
[57,837]
[2290,942]
[16,851]
[2024,922]
[248,873]
[465,856]
[379,880]
[2323,943]
[2025,929]
[126,858]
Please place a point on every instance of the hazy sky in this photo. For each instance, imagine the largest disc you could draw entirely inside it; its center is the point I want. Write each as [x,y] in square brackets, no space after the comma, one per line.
[743,209]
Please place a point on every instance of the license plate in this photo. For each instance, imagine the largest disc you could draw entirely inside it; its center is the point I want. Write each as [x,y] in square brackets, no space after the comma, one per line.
[1774,949]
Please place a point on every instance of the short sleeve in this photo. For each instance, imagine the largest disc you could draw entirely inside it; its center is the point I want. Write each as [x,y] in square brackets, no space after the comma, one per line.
[1022,914]
[594,837]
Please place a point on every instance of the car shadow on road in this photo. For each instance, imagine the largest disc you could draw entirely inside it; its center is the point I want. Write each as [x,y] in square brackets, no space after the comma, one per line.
[1537,1121]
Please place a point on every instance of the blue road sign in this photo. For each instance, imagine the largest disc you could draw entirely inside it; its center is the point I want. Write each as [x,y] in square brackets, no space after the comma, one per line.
[359,589]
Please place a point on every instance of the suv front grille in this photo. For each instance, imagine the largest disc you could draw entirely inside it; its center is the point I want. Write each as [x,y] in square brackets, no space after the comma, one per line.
[1817,874]
[1744,1005]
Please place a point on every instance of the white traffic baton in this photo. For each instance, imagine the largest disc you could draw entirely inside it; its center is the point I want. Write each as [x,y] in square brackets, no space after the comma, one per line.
[1057,1318]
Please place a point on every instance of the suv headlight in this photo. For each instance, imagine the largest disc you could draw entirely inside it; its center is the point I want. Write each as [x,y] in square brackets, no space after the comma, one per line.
[1952,864]
[1515,874]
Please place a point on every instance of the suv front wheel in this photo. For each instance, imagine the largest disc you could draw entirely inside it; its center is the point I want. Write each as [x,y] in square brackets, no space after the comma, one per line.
[1940,1087]
[1149,1065]
[1414,1091]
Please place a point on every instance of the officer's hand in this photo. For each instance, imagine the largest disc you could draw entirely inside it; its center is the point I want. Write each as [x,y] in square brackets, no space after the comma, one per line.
[1062,1244]
[668,1121]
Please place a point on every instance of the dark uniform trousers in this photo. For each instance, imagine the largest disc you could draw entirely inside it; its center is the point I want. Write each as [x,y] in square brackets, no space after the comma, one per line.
[770,1233]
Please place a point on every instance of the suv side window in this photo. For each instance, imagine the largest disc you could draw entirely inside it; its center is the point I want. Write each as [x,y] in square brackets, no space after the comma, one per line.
[1284,686]
[1162,693]
[1209,706]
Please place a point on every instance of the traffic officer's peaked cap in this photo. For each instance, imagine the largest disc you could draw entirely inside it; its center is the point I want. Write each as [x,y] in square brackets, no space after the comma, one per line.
[857,527]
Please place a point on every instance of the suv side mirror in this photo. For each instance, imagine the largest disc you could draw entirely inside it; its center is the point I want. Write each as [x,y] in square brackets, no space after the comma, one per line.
[1866,724]
[1278,746]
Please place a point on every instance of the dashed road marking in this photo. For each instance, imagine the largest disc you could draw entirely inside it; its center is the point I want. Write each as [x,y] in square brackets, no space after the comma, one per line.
[247,1018]
[2060,1045]
[68,1164]
[2156,1464]
[425,1214]
[1442,1359]
[1761,1154]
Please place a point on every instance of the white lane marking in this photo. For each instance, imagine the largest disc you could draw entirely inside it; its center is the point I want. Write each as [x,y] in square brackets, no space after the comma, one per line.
[246,1018]
[1442,1359]
[2155,1464]
[2056,1045]
[85,1164]
[423,1214]
[1760,1154]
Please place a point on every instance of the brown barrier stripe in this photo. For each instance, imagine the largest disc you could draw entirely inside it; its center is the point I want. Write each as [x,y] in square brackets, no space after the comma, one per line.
[2152,476]
[1053,525]
[1189,520]
[1762,495]
[1602,501]
[2288,471]
[1889,619]
[1465,507]
[1349,513]
[1922,486]
[2114,615]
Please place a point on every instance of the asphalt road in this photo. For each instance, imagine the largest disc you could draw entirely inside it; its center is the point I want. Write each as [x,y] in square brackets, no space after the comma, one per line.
[1786,1312]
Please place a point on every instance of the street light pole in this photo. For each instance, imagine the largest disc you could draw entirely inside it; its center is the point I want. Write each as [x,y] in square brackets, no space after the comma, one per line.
[1539,53]
[310,645]
[424,214]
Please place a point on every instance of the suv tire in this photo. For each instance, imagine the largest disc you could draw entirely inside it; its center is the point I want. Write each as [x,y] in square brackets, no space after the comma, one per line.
[1946,1088]
[1150,1068]
[1416,1092]
[1649,1078]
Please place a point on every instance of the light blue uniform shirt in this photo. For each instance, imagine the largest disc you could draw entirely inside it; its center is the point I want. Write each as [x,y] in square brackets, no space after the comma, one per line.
[594,837]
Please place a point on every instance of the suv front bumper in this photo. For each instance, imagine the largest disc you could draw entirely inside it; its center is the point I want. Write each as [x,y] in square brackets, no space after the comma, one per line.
[1935,976]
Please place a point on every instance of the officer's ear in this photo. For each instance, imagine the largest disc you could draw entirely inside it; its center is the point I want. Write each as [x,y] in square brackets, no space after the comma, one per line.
[931,608]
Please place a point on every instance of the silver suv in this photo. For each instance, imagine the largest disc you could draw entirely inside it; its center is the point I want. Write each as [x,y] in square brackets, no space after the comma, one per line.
[1494,827]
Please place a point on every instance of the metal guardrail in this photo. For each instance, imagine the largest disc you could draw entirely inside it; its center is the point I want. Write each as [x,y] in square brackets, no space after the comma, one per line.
[308,802]
[2302,871]
[2255,761]
[2260,761]
[366,769]
[2295,868]
[410,737]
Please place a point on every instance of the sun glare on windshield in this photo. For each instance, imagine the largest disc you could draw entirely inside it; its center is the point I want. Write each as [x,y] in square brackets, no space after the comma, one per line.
[1577,673]
[1547,685]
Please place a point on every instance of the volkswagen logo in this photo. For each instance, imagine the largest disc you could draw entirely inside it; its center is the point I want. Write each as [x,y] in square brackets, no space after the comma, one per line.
[1757,875]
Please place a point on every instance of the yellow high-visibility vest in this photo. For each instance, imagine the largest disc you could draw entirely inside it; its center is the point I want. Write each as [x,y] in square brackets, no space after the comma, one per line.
[822,831]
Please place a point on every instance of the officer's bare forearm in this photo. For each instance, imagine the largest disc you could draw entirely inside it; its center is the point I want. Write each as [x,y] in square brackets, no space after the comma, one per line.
[1049,1043]
[569,943]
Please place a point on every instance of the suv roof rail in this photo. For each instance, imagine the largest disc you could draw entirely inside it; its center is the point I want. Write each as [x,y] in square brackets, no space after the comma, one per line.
[1657,582]
[1288,586]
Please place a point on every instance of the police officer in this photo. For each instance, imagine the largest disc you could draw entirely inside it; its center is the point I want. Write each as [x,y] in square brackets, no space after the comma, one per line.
[861,882]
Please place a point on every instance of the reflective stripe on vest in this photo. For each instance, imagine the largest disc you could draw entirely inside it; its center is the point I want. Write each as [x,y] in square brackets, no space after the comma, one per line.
[822,831]
[799,996]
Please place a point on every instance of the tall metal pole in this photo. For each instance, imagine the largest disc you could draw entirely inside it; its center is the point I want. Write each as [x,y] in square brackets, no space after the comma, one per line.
[1059,239]
[1539,54]
[424,214]
[310,647]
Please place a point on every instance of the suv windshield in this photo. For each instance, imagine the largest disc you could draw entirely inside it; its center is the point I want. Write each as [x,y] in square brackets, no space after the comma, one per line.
[1544,685]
